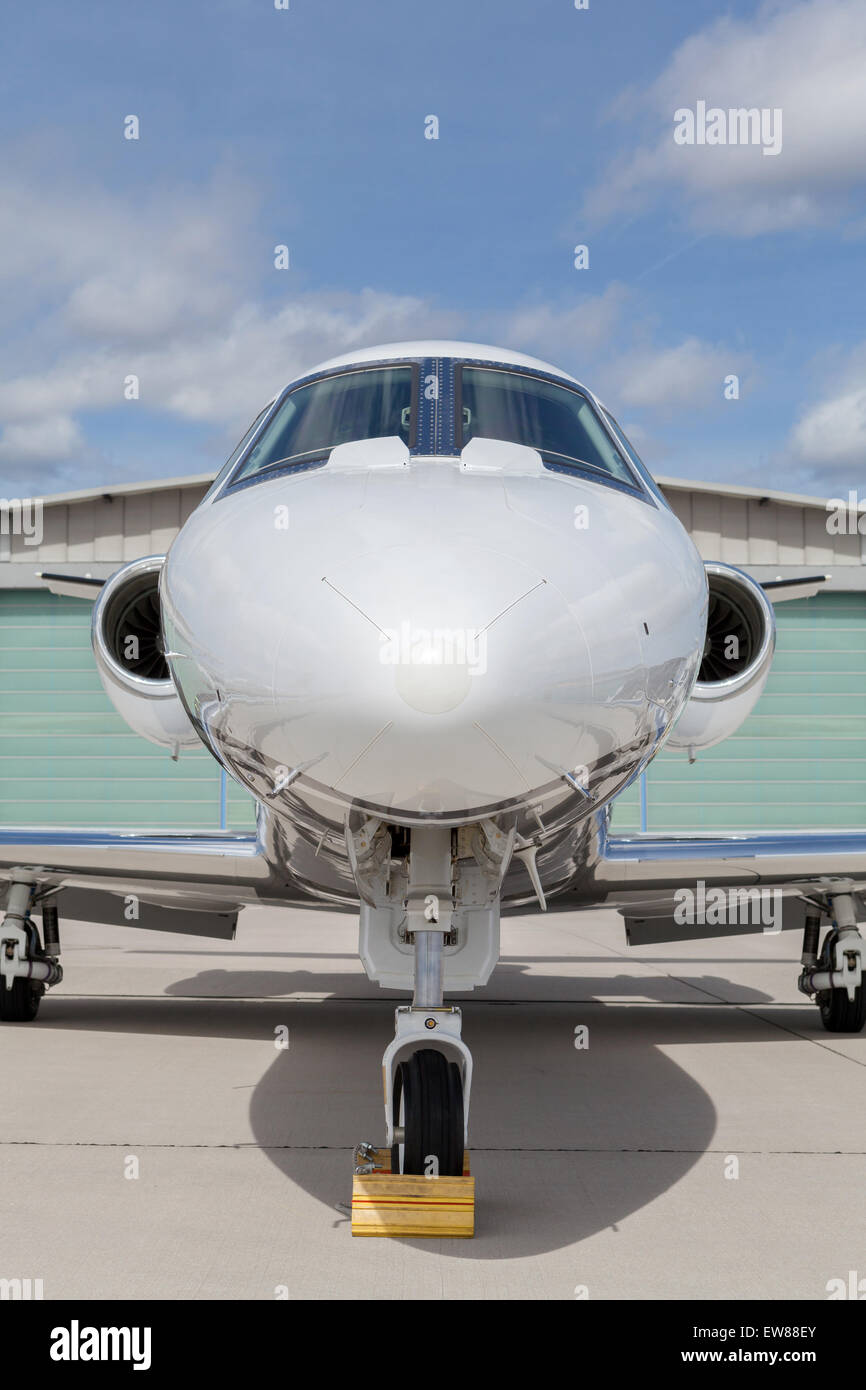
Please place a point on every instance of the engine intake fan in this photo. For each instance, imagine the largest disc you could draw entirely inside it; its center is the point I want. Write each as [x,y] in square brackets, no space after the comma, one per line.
[127,643]
[738,653]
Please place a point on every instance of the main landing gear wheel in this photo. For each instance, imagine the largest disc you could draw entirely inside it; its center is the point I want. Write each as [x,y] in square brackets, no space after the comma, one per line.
[20,1004]
[428,1108]
[840,966]
[839,1014]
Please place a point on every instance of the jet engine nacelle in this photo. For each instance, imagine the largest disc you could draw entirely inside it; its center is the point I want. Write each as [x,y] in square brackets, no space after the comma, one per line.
[738,651]
[127,643]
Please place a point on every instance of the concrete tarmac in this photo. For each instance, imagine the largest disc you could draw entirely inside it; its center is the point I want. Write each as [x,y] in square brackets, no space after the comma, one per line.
[709,1143]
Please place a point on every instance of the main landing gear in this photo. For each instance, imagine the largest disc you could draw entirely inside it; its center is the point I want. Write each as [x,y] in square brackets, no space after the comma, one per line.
[834,977]
[27,968]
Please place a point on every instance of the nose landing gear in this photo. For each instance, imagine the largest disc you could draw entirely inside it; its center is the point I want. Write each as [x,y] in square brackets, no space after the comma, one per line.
[427,1086]
[428,916]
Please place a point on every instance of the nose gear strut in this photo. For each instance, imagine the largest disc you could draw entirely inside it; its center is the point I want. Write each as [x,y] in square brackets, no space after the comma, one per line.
[446,889]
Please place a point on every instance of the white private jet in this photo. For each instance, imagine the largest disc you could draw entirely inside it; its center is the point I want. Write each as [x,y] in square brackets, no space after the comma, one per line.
[435,615]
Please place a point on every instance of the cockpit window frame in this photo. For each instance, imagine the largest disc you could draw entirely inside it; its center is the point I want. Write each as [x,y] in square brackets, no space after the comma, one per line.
[246,442]
[634,458]
[637,489]
[317,458]
[642,486]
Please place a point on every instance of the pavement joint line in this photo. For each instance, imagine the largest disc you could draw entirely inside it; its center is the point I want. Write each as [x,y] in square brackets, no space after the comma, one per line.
[713,1002]
[747,1007]
[347,1148]
[818,1039]
[666,974]
[619,954]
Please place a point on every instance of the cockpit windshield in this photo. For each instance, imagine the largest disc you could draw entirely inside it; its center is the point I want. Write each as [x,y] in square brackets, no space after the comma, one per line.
[560,423]
[370,403]
[348,405]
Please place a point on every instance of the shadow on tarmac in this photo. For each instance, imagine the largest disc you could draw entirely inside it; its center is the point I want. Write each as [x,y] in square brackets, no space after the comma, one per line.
[564,1142]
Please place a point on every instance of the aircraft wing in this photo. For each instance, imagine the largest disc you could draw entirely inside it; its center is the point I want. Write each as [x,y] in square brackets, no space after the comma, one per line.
[806,586]
[72,585]
[169,881]
[801,857]
[645,875]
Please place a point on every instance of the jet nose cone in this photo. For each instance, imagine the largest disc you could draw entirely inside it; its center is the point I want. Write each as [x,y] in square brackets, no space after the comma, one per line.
[481,659]
[433,668]
[436,621]
[454,680]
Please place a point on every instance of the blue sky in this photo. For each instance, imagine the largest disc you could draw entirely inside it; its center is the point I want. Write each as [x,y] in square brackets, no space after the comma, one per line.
[306,127]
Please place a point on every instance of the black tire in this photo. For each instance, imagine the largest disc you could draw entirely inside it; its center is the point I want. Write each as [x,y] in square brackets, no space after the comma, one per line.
[431,1090]
[839,1014]
[20,1004]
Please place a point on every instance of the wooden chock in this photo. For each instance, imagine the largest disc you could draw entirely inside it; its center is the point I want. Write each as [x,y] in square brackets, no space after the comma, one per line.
[409,1204]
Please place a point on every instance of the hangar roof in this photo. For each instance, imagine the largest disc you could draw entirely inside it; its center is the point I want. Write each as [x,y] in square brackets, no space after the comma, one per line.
[204,480]
[767,532]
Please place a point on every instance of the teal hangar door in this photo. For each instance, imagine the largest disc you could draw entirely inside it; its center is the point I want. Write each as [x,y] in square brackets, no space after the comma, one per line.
[799,761]
[66,756]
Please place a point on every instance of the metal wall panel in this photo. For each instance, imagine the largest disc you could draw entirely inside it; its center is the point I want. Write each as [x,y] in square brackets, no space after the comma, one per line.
[66,757]
[799,761]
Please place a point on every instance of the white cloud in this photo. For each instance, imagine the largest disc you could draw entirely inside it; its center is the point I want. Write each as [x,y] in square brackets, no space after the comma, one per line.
[97,288]
[833,432]
[40,441]
[146,306]
[88,244]
[826,448]
[222,375]
[573,335]
[691,374]
[613,353]
[172,291]
[806,59]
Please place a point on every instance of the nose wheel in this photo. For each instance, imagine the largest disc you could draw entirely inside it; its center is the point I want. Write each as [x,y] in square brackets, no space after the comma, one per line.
[428,1116]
